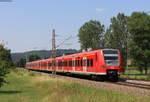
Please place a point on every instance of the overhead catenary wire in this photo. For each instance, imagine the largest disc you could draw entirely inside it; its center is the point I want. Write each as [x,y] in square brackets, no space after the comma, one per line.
[64,41]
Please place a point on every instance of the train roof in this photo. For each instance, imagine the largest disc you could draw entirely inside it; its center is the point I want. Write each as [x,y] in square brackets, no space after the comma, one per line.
[82,53]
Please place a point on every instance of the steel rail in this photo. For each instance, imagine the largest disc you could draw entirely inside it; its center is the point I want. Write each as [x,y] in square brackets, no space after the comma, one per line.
[137,85]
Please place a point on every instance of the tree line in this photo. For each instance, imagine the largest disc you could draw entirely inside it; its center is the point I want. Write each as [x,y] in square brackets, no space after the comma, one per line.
[20,59]
[5,63]
[129,34]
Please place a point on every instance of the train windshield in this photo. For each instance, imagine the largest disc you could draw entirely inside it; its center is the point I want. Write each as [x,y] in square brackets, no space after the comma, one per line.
[111,57]
[110,51]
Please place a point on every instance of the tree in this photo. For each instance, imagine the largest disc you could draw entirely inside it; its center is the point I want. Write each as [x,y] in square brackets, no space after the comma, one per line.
[116,35]
[21,62]
[34,57]
[139,27]
[90,35]
[5,63]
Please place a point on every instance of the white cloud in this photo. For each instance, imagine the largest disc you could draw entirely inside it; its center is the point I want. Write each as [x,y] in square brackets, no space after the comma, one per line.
[99,9]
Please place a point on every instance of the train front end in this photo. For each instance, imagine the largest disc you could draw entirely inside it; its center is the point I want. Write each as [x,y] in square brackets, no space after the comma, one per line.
[112,60]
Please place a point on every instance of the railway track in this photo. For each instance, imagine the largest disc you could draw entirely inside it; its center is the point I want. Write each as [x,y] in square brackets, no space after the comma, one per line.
[141,84]
[132,84]
[137,79]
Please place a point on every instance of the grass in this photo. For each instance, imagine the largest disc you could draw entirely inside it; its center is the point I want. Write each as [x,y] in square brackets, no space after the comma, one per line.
[136,75]
[134,71]
[139,77]
[27,86]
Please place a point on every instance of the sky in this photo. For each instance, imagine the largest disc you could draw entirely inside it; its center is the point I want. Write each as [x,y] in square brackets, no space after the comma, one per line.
[27,24]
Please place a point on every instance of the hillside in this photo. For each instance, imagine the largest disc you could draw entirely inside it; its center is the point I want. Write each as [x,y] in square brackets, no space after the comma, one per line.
[42,53]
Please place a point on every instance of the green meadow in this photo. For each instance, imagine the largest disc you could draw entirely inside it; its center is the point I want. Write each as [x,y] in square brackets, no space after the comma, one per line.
[25,86]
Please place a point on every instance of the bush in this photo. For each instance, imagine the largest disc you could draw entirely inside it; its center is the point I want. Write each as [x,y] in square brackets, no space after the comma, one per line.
[5,63]
[4,66]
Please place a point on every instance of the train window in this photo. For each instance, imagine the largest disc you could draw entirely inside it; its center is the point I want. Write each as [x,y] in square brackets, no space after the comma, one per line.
[76,62]
[70,63]
[49,64]
[56,63]
[111,57]
[62,63]
[81,62]
[90,62]
[65,63]
[59,63]
[110,51]
[73,63]
[45,64]
[84,62]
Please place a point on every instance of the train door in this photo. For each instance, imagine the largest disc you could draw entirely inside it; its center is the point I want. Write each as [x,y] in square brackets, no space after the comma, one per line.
[56,65]
[59,65]
[63,65]
[47,64]
[40,65]
[84,64]
[73,64]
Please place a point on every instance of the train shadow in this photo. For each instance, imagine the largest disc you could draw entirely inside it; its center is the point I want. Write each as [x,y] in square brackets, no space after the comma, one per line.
[10,92]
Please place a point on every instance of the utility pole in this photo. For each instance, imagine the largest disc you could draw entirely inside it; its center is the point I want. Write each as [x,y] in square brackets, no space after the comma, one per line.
[53,53]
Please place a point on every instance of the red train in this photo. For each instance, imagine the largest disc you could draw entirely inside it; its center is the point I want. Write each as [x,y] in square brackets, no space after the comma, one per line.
[102,63]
